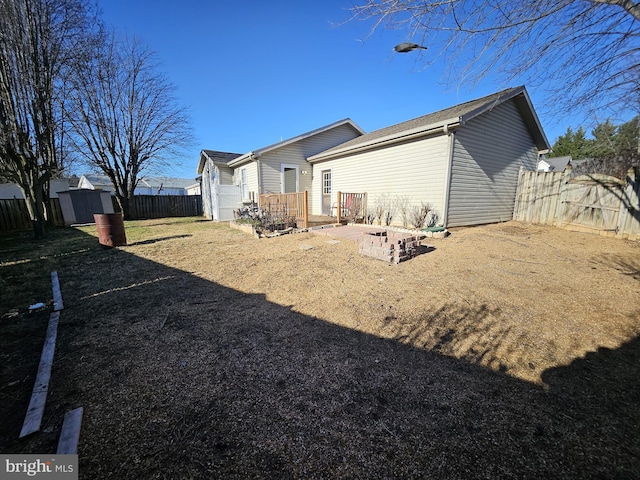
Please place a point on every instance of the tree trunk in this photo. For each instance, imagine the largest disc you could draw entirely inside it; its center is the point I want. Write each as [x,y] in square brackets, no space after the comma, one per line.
[33,197]
[127,206]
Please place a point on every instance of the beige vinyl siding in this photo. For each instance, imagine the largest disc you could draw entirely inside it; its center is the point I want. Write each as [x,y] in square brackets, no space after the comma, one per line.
[488,152]
[226,175]
[414,169]
[252,179]
[296,154]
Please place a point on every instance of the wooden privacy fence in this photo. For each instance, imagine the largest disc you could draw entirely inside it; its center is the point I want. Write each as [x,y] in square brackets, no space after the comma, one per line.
[14,214]
[287,205]
[161,206]
[353,206]
[592,203]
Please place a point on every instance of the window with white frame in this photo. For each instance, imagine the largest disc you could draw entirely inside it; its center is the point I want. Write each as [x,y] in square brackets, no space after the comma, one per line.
[244,188]
[326,182]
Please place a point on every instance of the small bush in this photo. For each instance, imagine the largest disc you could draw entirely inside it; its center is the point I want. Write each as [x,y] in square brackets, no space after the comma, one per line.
[418,214]
[263,219]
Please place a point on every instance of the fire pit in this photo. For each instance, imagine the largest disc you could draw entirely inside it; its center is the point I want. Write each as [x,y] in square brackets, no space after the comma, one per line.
[389,246]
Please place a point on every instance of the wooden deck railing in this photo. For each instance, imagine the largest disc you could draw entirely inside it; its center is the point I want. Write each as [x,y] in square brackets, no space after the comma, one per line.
[353,206]
[287,205]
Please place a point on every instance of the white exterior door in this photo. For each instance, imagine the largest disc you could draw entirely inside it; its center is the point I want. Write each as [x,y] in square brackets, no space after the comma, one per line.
[326,192]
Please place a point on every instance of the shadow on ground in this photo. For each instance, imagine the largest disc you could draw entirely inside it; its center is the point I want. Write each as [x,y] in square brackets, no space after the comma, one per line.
[183,378]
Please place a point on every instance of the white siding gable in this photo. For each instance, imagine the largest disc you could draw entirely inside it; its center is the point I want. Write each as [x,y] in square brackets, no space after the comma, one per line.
[296,154]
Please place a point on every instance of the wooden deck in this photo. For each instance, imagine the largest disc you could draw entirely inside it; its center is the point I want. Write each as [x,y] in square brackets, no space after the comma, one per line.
[351,232]
[316,220]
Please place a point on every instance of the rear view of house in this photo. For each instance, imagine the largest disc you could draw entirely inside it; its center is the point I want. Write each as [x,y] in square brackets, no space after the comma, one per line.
[463,160]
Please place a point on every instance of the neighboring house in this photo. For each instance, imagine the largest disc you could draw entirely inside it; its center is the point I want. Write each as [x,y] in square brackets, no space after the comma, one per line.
[278,168]
[463,160]
[95,182]
[146,185]
[11,190]
[194,188]
[556,164]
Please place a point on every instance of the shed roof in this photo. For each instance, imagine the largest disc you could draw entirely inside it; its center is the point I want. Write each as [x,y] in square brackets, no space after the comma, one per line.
[452,117]
[165,182]
[260,151]
[558,164]
[151,182]
[217,157]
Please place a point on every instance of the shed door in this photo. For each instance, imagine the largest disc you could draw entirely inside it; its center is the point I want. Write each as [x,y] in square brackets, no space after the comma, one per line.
[326,192]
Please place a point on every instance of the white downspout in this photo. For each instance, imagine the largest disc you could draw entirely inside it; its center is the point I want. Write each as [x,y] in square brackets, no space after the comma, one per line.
[259,168]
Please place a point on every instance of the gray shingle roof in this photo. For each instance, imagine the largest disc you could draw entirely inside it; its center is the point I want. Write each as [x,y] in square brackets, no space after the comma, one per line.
[558,163]
[459,113]
[222,157]
[215,156]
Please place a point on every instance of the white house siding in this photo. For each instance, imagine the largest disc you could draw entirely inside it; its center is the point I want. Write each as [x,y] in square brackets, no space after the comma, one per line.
[219,196]
[488,152]
[11,190]
[252,179]
[296,154]
[414,169]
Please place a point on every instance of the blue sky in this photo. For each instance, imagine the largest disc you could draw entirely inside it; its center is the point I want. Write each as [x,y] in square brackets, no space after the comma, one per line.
[254,72]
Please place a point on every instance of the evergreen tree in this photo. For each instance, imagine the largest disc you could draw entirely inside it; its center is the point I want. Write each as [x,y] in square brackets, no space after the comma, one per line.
[571,143]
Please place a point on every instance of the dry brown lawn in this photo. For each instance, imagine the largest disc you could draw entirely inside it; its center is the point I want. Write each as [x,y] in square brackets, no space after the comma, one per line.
[508,351]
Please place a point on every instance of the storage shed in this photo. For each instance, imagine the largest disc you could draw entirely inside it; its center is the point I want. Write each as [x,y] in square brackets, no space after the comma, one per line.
[220,197]
[78,206]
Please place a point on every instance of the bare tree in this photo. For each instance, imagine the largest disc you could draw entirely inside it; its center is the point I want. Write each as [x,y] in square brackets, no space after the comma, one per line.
[588,48]
[124,116]
[37,38]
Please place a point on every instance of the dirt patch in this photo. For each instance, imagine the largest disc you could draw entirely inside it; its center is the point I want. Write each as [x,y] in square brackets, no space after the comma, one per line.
[507,351]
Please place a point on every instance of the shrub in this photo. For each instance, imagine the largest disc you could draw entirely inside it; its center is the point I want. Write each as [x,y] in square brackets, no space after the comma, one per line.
[401,203]
[419,214]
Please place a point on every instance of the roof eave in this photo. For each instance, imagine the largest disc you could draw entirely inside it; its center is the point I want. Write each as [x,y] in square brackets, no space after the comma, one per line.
[414,133]
[533,122]
[255,154]
[247,157]
[201,162]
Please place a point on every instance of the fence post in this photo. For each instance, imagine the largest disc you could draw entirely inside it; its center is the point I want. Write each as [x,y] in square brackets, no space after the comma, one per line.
[364,208]
[518,203]
[339,207]
[629,207]
[305,209]
[562,205]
